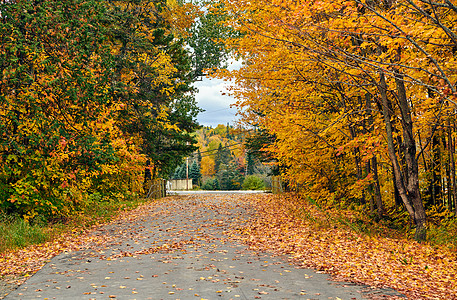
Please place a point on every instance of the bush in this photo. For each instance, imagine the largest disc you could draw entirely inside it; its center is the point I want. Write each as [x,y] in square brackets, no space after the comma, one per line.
[252,182]
[211,184]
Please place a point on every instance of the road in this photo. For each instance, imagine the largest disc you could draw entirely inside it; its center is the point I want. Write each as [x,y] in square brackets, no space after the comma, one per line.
[182,249]
[201,192]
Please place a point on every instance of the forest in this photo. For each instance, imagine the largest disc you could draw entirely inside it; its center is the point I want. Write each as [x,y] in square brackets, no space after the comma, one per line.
[357,100]
[351,102]
[223,162]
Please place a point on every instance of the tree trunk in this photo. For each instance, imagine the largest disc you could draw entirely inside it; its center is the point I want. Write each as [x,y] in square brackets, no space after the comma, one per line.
[398,176]
[448,176]
[371,188]
[452,191]
[412,166]
[373,166]
[377,187]
[358,162]
[147,171]
[436,169]
[398,201]
[454,188]
[428,197]
[408,189]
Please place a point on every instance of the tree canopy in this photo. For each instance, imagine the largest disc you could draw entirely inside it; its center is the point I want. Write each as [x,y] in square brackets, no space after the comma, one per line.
[359,95]
[91,94]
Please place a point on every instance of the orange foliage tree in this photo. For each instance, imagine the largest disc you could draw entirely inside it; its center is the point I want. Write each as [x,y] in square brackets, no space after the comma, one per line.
[354,91]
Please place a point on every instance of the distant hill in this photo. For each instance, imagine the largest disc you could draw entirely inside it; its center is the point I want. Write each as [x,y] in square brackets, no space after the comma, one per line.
[222,161]
[224,137]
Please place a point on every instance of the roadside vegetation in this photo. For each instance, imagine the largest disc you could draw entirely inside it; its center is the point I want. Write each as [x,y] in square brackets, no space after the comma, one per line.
[18,233]
[96,100]
[354,101]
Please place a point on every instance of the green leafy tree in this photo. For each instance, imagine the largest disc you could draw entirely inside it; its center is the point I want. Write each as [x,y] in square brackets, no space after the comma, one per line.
[160,104]
[88,91]
[250,166]
[206,37]
[229,176]
[55,102]
[255,144]
[222,157]
[183,171]
[176,174]
[211,184]
[199,157]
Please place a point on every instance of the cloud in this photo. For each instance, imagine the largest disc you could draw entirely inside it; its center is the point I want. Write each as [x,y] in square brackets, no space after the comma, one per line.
[216,106]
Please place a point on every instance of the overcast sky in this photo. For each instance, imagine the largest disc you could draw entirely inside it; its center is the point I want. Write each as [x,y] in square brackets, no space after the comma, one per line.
[216,106]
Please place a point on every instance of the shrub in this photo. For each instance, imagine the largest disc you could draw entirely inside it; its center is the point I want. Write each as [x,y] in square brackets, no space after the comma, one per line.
[211,184]
[252,182]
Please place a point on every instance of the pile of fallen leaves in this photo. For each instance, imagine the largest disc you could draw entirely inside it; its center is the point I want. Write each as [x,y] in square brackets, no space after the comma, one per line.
[417,270]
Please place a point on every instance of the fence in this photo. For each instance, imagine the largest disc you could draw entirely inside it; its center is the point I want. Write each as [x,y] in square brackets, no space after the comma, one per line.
[277,185]
[181,184]
[157,188]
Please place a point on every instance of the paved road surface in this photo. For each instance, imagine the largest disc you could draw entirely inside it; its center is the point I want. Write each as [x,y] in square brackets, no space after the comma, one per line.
[180,251]
[201,192]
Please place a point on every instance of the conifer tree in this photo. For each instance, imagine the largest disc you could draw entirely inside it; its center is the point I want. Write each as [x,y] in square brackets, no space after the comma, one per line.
[194,173]
[199,157]
[249,164]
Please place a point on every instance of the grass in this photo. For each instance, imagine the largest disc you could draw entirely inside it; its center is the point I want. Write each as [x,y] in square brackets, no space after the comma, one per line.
[17,233]
[444,233]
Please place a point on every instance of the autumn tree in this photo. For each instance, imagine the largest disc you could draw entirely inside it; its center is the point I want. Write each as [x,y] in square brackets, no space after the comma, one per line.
[220,148]
[347,89]
[58,137]
[89,92]
[154,67]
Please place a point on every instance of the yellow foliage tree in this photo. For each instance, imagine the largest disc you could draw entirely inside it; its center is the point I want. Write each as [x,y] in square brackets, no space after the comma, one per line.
[352,90]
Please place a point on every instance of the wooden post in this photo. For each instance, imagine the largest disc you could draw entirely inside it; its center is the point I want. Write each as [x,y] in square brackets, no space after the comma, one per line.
[276,185]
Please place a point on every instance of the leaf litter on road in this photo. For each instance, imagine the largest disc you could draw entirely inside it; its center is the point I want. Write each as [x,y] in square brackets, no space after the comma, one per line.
[417,270]
[265,224]
[16,266]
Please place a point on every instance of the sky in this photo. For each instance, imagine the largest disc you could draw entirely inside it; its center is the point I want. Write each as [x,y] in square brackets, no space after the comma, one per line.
[216,106]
